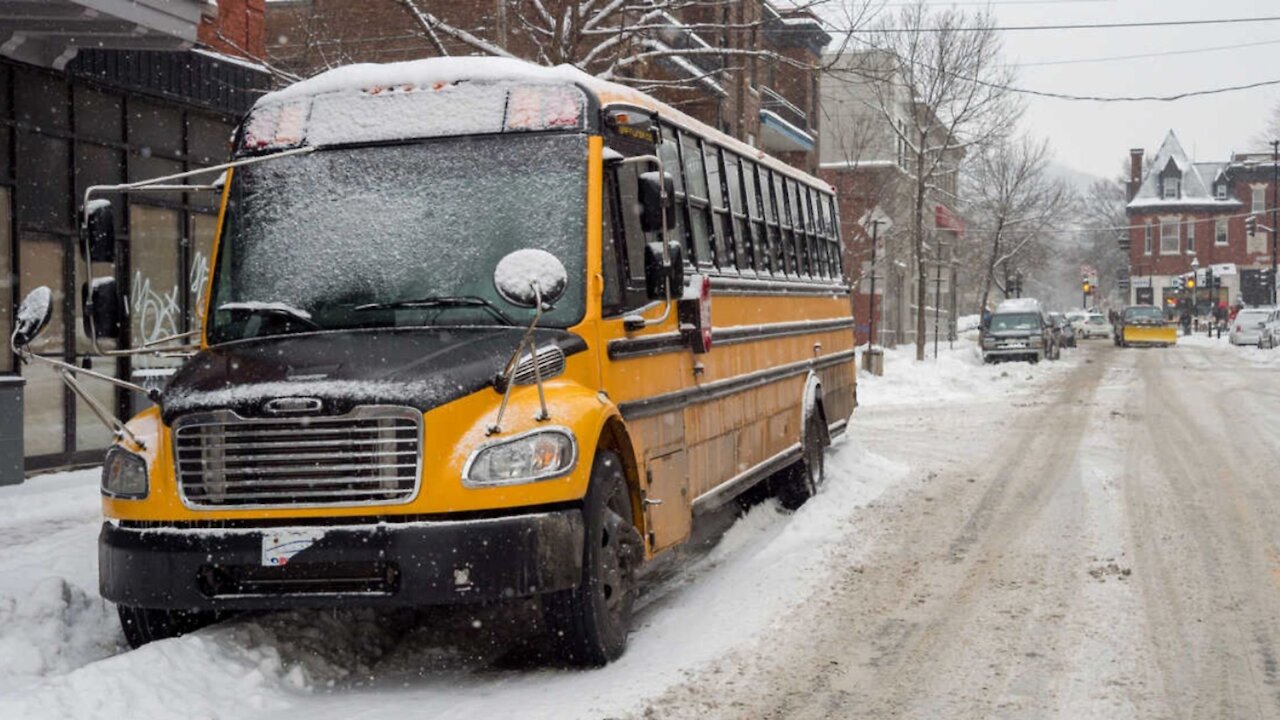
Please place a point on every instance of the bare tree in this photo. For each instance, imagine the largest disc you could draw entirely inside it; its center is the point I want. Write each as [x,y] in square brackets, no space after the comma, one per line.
[947,66]
[1011,200]
[631,41]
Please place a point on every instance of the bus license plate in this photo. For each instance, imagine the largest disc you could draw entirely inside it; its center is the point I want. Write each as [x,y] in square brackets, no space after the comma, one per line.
[280,546]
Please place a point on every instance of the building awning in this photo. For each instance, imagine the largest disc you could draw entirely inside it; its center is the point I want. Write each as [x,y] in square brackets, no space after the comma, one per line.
[778,135]
[944,219]
[49,33]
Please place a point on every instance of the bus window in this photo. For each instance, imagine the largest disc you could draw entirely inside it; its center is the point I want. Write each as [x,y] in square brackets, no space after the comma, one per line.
[629,209]
[611,241]
[804,266]
[759,235]
[721,232]
[741,235]
[695,182]
[670,154]
[786,252]
[772,242]
[833,225]
[822,252]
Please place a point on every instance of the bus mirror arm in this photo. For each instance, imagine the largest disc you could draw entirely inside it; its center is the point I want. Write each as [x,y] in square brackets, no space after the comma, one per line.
[97,231]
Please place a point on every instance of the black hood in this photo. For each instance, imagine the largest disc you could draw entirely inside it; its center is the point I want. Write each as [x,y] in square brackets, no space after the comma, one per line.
[419,367]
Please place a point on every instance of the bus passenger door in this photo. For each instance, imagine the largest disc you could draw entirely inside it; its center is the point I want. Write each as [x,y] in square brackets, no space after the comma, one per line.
[638,366]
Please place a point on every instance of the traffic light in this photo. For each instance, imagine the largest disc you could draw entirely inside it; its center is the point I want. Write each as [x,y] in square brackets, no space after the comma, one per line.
[1191,283]
[1251,224]
[1086,287]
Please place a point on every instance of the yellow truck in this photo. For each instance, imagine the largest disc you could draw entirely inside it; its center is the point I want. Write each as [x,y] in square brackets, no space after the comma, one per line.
[1145,325]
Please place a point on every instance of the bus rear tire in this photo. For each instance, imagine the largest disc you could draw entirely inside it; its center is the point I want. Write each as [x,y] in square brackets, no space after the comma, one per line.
[145,625]
[591,621]
[800,481]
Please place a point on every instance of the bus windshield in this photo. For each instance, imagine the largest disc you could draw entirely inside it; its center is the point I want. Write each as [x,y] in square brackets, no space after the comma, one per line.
[377,236]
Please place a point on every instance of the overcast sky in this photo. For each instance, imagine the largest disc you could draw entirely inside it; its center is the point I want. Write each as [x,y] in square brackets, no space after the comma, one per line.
[1096,137]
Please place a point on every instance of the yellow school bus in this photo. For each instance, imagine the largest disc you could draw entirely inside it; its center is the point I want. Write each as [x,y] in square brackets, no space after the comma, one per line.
[475,330]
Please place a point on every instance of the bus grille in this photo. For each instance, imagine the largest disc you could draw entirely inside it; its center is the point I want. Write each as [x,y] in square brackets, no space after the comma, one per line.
[370,456]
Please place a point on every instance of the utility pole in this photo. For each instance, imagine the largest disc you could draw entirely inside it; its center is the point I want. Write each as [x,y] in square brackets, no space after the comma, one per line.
[937,300]
[871,330]
[1275,201]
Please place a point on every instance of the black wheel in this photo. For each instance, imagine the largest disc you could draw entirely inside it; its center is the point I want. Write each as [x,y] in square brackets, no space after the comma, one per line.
[800,481]
[144,625]
[591,621]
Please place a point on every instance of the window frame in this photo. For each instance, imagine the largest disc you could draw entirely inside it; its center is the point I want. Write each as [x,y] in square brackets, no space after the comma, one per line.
[1146,239]
[1221,232]
[1258,200]
[1165,227]
[1191,237]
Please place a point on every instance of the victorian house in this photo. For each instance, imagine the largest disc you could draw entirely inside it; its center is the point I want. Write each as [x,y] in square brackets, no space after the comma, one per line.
[1186,215]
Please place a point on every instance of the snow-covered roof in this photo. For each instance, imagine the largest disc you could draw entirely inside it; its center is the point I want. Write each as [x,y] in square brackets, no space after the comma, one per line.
[1197,179]
[1013,305]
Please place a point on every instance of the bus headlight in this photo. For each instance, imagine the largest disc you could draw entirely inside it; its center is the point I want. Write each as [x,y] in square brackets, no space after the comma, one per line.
[538,455]
[124,474]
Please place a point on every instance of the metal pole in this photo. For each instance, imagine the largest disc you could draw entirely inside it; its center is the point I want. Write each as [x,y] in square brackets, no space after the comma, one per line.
[871,330]
[937,300]
[1275,186]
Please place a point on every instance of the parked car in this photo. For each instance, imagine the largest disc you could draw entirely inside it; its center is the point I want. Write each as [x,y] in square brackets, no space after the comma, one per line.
[1246,329]
[1093,325]
[1019,330]
[1270,331]
[1063,328]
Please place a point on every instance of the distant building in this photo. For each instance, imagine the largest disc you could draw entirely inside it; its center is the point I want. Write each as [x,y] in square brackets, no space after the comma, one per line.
[127,90]
[765,102]
[1179,210]
[866,155]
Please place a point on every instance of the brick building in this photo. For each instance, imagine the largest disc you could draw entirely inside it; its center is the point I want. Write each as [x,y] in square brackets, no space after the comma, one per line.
[865,155]
[1179,210]
[719,79]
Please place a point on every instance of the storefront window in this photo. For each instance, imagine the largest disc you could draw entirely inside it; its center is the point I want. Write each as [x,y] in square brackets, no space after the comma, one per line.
[40,258]
[91,433]
[154,301]
[6,280]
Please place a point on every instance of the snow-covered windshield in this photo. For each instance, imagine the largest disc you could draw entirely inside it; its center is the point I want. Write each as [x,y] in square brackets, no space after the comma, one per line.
[1097,320]
[1015,321]
[1148,313]
[308,240]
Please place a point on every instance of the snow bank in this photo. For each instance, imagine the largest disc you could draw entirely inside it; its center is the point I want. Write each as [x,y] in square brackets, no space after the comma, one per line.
[61,654]
[958,375]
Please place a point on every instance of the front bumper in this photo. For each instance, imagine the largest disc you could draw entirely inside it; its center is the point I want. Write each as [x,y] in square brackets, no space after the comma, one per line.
[1007,352]
[376,565]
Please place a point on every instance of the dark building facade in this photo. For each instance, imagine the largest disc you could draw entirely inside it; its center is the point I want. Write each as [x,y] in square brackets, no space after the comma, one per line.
[108,116]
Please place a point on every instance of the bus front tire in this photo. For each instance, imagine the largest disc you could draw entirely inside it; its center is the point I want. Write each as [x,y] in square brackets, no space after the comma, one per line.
[144,625]
[591,621]
[801,480]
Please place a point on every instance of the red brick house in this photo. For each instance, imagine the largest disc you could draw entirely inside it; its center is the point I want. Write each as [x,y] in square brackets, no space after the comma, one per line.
[1180,210]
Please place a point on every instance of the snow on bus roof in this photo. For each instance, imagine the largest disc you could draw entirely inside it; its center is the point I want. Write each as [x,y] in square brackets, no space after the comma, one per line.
[428,71]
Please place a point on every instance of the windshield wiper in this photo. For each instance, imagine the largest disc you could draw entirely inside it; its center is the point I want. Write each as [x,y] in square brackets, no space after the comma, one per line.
[442,302]
[302,317]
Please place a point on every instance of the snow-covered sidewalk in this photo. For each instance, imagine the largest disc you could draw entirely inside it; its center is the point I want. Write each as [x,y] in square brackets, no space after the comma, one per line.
[62,655]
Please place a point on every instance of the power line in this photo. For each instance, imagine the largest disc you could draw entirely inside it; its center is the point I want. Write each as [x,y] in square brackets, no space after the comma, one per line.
[1124,98]
[1167,53]
[1082,26]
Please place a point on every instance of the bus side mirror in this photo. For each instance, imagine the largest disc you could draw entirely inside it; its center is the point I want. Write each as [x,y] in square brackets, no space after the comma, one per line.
[103,309]
[33,315]
[98,232]
[654,212]
[658,278]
